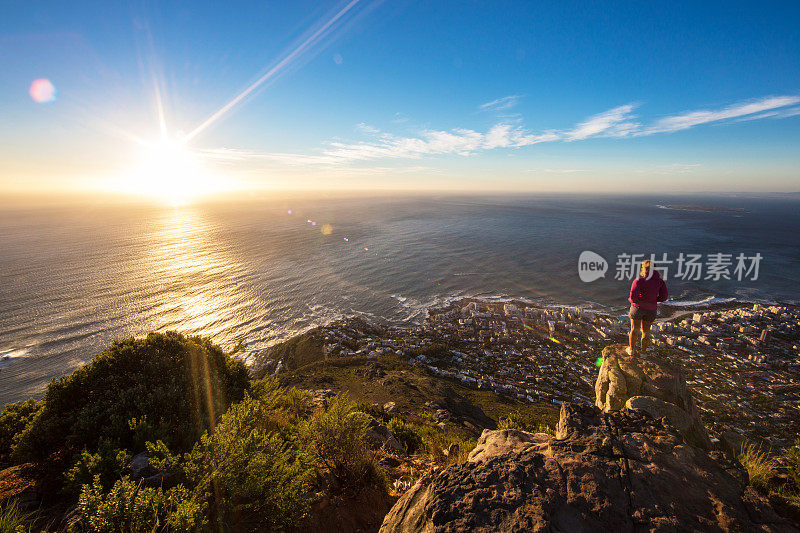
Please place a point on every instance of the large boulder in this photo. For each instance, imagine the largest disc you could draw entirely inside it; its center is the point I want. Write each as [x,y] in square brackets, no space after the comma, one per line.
[632,383]
[619,471]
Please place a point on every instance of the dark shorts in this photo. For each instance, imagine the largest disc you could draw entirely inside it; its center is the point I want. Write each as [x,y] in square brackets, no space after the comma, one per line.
[642,314]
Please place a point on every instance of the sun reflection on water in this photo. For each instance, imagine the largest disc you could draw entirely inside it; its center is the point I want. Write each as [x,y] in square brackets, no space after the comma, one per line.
[197,276]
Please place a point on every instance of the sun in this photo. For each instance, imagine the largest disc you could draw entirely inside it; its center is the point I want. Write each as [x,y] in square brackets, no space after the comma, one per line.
[169,171]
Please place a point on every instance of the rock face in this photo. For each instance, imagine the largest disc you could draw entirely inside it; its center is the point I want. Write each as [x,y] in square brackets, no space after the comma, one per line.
[631,383]
[607,472]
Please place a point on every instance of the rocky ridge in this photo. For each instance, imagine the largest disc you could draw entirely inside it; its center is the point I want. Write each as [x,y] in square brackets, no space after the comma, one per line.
[654,387]
[638,460]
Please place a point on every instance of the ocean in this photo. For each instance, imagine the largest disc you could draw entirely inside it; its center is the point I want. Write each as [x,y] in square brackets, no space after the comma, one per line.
[75,278]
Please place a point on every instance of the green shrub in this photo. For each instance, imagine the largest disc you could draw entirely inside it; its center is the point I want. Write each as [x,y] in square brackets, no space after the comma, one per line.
[335,442]
[373,410]
[246,471]
[406,434]
[759,466]
[13,420]
[294,404]
[524,422]
[129,507]
[436,443]
[106,464]
[176,386]
[161,458]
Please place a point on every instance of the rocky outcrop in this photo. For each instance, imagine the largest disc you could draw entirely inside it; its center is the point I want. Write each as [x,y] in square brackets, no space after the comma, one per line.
[618,471]
[379,437]
[632,383]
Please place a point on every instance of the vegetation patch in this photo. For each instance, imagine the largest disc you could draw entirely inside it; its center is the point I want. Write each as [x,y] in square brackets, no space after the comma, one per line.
[171,387]
[524,421]
[759,466]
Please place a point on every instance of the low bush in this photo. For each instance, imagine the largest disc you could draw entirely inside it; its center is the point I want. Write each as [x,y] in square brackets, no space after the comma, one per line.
[128,507]
[246,471]
[435,443]
[406,434]
[106,465]
[294,404]
[174,387]
[524,422]
[374,410]
[250,473]
[335,443]
[13,421]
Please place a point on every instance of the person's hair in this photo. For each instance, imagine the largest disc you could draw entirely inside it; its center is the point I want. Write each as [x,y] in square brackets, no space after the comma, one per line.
[645,267]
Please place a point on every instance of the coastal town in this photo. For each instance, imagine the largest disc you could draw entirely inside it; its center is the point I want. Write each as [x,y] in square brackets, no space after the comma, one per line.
[741,360]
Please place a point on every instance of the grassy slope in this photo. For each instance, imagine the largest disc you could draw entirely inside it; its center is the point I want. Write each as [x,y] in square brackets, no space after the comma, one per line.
[296,352]
[410,388]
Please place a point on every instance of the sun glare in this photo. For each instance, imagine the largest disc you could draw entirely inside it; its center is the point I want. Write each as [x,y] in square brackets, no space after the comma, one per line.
[170,172]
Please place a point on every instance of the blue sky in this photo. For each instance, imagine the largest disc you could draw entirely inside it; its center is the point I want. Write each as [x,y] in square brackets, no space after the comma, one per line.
[500,96]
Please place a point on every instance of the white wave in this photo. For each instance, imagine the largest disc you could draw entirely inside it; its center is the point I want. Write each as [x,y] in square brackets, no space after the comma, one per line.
[9,355]
[693,303]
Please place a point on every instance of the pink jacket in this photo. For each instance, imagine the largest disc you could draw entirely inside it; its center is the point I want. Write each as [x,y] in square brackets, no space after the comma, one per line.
[646,293]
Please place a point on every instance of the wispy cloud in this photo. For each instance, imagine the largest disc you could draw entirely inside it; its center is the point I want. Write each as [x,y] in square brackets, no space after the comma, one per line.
[779,113]
[238,155]
[461,142]
[366,128]
[618,122]
[501,104]
[695,118]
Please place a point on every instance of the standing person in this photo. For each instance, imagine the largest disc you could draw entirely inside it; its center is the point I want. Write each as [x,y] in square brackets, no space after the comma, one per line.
[646,291]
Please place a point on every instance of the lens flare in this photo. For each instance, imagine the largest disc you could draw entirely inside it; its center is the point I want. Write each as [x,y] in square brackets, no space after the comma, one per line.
[599,361]
[42,91]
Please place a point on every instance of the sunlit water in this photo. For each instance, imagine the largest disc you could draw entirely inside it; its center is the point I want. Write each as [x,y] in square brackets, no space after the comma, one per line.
[74,279]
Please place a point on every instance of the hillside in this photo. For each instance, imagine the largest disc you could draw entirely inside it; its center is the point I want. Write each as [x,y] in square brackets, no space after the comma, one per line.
[348,434]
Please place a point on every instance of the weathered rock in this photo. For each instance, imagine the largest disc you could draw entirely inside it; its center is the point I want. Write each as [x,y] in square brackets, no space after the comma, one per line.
[380,437]
[732,442]
[320,397]
[140,469]
[139,466]
[606,472]
[453,449]
[389,408]
[503,441]
[623,377]
[660,409]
